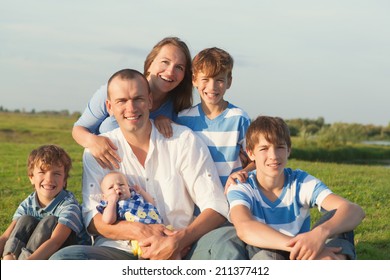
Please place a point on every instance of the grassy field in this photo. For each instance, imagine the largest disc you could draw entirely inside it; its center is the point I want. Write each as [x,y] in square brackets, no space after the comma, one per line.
[367,185]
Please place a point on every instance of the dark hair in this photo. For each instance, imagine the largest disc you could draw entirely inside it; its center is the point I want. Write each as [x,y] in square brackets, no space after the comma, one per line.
[47,155]
[212,61]
[274,129]
[182,94]
[126,74]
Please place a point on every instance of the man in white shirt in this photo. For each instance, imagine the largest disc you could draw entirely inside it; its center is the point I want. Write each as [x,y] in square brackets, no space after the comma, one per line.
[178,172]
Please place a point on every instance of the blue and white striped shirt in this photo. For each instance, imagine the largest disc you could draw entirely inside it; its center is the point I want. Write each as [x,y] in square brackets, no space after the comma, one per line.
[290,212]
[224,135]
[64,206]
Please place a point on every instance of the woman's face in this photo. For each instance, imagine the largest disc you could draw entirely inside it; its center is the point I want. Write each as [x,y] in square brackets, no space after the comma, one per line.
[167,70]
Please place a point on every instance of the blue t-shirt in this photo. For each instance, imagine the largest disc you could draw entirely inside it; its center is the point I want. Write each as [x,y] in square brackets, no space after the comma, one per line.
[290,212]
[223,135]
[64,206]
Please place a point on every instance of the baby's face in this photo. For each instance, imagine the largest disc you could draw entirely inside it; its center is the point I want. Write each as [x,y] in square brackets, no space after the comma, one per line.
[115,183]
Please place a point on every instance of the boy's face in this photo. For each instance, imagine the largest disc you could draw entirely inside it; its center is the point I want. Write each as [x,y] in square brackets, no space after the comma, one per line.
[270,159]
[48,183]
[115,184]
[212,89]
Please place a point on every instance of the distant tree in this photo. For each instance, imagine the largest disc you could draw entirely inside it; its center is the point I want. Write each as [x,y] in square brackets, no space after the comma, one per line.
[386,131]
[76,115]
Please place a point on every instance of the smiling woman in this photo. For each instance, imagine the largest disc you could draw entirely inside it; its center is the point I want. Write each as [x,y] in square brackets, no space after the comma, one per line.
[168,71]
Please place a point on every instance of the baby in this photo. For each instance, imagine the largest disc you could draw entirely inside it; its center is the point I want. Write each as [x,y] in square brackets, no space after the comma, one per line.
[125,203]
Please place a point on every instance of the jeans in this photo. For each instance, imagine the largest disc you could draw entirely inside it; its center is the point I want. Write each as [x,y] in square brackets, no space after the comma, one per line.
[219,244]
[30,233]
[343,240]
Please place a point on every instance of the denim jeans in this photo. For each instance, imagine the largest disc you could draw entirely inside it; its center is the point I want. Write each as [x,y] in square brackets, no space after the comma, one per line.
[219,244]
[30,233]
[344,240]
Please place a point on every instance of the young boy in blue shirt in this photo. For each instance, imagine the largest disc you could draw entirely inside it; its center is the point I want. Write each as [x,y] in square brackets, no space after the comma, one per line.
[271,211]
[49,218]
[220,124]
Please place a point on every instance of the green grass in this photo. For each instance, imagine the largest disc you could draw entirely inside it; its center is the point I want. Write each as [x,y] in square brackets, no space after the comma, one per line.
[366,185]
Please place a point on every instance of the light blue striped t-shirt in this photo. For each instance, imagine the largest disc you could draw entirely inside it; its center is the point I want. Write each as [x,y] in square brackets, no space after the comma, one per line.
[224,135]
[290,212]
[64,206]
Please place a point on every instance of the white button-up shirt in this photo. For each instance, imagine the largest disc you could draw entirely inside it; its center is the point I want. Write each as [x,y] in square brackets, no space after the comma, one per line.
[179,173]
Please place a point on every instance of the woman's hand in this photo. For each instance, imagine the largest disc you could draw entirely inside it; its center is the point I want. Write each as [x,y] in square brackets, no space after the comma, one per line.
[105,152]
[164,126]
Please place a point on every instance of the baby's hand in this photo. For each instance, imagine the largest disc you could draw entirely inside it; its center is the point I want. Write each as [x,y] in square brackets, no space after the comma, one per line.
[112,198]
[136,188]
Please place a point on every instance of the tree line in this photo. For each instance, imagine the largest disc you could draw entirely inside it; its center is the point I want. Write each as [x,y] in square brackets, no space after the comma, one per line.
[306,129]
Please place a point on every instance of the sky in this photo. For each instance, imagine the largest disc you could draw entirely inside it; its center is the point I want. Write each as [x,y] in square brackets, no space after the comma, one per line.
[293,59]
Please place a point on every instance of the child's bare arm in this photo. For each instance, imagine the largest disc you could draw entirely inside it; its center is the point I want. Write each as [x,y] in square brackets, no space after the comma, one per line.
[50,246]
[248,229]
[311,244]
[109,215]
[144,194]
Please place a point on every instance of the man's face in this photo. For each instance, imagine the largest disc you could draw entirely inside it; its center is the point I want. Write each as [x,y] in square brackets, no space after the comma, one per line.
[130,102]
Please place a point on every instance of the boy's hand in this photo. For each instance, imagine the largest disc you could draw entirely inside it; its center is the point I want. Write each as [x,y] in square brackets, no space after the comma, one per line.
[331,253]
[306,246]
[240,175]
[164,126]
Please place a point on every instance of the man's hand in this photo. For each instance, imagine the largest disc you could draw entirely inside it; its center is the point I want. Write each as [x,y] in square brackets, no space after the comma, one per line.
[160,247]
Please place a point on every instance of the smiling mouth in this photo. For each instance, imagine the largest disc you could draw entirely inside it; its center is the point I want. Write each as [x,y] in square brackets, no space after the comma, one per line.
[166,79]
[49,188]
[133,118]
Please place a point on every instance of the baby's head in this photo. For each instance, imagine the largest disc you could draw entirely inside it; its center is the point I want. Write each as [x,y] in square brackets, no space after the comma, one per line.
[115,182]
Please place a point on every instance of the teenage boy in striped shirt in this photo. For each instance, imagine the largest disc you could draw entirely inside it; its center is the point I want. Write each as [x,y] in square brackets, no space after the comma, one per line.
[271,210]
